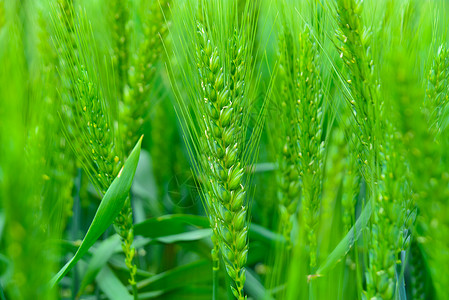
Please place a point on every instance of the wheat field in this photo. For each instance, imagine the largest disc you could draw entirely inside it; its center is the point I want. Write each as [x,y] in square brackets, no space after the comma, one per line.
[208,149]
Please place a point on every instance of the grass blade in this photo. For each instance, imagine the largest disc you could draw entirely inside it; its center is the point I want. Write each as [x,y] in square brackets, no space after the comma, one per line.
[109,208]
[346,243]
[169,225]
[99,259]
[112,286]
[193,273]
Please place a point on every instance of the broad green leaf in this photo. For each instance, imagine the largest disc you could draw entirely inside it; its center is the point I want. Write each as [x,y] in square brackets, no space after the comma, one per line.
[199,271]
[188,236]
[145,188]
[174,228]
[99,259]
[253,286]
[109,208]
[346,243]
[264,167]
[184,293]
[260,233]
[169,225]
[111,286]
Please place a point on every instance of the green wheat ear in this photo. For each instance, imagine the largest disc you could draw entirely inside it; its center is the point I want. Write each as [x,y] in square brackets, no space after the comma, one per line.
[88,117]
[30,213]
[215,115]
[142,73]
[224,114]
[437,102]
[362,80]
[311,146]
[300,138]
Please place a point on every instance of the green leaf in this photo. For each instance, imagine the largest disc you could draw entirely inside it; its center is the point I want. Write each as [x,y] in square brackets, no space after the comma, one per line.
[99,259]
[109,208]
[111,286]
[346,243]
[2,295]
[188,236]
[6,269]
[264,167]
[185,293]
[169,225]
[171,229]
[186,275]
[253,286]
[400,294]
[260,233]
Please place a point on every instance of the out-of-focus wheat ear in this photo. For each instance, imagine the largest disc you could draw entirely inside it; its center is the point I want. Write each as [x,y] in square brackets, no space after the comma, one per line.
[142,74]
[61,165]
[395,211]
[437,97]
[428,187]
[119,18]
[356,53]
[352,178]
[26,223]
[285,135]
[311,147]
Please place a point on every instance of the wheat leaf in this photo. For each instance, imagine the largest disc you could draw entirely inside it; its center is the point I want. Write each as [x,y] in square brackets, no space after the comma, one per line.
[112,286]
[346,243]
[110,206]
[99,259]
[186,275]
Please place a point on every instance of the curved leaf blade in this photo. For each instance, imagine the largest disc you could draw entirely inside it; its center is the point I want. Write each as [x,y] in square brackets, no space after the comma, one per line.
[110,206]
[346,243]
[111,286]
[100,257]
[169,225]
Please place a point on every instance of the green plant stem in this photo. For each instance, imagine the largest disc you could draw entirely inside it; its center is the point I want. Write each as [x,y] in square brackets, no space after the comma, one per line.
[75,227]
[135,293]
[215,279]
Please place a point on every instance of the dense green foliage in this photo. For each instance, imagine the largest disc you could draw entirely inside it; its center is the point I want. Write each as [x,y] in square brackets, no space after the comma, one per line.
[213,149]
